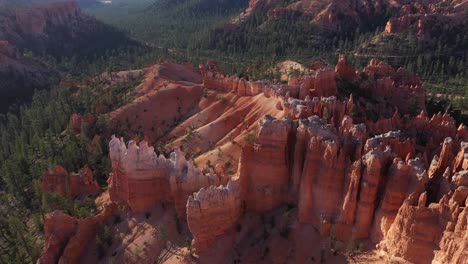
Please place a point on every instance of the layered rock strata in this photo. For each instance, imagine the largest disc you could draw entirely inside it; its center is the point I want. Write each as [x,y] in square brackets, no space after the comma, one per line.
[213,212]
[142,180]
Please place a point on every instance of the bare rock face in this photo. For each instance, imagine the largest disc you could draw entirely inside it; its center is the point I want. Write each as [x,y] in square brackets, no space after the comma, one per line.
[213,212]
[421,17]
[404,179]
[14,69]
[344,182]
[323,141]
[57,28]
[399,180]
[334,168]
[85,232]
[214,78]
[422,233]
[185,180]
[67,237]
[142,180]
[7,49]
[37,18]
[433,228]
[324,83]
[59,228]
[75,184]
[264,167]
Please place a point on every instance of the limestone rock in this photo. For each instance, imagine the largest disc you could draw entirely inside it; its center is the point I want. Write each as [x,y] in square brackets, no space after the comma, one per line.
[59,228]
[85,232]
[264,167]
[212,212]
[324,83]
[75,184]
[185,179]
[142,180]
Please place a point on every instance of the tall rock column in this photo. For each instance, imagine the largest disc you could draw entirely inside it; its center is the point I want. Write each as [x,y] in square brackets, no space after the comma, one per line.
[403,179]
[374,163]
[140,178]
[185,180]
[264,168]
[212,212]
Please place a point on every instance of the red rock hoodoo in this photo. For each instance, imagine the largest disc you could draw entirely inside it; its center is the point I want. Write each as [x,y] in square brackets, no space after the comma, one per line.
[369,167]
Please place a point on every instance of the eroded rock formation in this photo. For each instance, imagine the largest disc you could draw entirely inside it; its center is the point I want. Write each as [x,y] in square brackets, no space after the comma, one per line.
[142,180]
[70,184]
[59,228]
[351,184]
[213,212]
[67,238]
[398,180]
[264,166]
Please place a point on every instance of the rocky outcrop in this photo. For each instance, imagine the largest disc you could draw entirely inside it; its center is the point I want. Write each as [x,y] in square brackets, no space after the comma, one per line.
[57,28]
[142,180]
[70,184]
[346,182]
[213,212]
[435,225]
[28,22]
[59,228]
[346,72]
[185,180]
[17,71]
[85,233]
[264,167]
[423,18]
[324,84]
[67,238]
[422,233]
[404,179]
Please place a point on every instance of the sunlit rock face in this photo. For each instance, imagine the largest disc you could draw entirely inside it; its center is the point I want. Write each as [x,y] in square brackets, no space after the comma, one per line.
[213,212]
[142,180]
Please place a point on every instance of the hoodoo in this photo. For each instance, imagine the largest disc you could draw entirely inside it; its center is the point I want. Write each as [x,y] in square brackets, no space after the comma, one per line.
[345,175]
[221,131]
